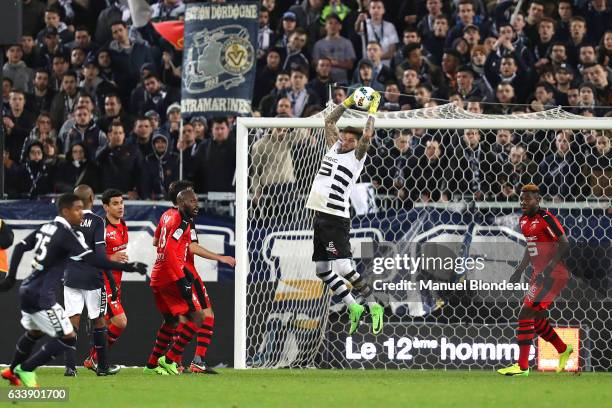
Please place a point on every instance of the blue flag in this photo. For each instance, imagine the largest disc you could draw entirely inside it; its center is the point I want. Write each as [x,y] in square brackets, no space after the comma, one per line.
[219,58]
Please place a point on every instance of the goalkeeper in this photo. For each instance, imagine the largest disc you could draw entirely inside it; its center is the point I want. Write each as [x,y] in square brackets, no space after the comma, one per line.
[329,198]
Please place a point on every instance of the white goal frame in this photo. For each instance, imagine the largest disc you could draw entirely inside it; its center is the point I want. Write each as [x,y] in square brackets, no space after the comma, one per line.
[242,177]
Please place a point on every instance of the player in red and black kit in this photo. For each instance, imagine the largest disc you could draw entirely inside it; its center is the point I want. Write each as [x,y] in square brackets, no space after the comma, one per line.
[546,246]
[205,331]
[116,238]
[172,284]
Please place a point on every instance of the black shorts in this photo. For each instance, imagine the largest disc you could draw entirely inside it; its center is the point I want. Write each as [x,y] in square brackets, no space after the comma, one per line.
[331,237]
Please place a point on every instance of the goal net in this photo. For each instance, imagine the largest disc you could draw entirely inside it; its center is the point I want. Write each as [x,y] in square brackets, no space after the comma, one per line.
[437,181]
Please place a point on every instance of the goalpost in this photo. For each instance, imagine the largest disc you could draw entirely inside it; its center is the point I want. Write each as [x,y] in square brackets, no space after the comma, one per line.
[433,193]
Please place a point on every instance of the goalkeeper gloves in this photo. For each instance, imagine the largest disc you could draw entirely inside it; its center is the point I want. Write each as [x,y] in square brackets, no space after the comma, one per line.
[374,104]
[348,102]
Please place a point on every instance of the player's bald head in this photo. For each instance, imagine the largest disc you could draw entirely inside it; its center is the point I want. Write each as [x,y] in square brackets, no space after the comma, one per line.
[86,194]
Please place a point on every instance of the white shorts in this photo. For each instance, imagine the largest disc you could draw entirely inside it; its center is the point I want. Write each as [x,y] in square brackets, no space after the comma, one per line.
[53,322]
[76,299]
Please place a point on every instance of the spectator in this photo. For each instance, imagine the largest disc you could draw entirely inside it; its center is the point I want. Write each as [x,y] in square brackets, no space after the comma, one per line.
[598,168]
[283,108]
[165,10]
[517,171]
[558,54]
[53,22]
[299,96]
[41,132]
[186,148]
[366,76]
[84,130]
[502,146]
[120,163]
[267,105]
[559,170]
[597,75]
[382,73]
[266,76]
[273,174]
[450,62]
[173,124]
[535,13]
[508,71]
[587,98]
[320,85]
[293,54]
[156,97]
[564,75]
[546,34]
[389,166]
[566,12]
[478,57]
[414,59]
[64,102]
[426,25]
[127,56]
[426,178]
[141,135]
[113,110]
[36,178]
[265,35]
[105,65]
[77,58]
[93,84]
[288,25]
[216,160]
[605,50]
[471,35]
[468,88]
[17,70]
[116,11]
[586,56]
[577,38]
[422,96]
[504,98]
[199,128]
[161,169]
[308,16]
[76,169]
[82,40]
[410,82]
[474,167]
[31,53]
[60,64]
[338,49]
[391,98]
[573,98]
[543,97]
[42,96]
[599,16]
[474,106]
[466,13]
[434,41]
[379,30]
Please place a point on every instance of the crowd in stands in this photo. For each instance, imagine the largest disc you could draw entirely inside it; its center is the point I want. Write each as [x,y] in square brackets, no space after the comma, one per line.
[87,98]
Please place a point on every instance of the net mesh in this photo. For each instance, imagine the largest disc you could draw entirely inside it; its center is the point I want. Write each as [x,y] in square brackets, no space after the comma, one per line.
[457,186]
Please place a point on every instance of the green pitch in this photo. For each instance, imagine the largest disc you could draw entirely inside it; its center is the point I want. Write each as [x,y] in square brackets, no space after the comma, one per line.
[332,389]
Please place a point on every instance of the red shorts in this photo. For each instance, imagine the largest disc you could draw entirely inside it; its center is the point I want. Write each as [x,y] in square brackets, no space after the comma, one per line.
[115,307]
[200,290]
[542,292]
[169,300]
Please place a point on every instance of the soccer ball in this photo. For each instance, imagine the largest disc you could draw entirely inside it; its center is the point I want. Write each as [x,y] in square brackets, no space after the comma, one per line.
[363,96]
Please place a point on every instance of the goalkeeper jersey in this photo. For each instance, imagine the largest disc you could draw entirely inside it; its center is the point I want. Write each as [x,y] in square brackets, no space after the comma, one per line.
[332,186]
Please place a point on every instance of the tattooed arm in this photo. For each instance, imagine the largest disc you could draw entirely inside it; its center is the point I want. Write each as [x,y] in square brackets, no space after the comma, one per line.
[368,131]
[364,142]
[331,130]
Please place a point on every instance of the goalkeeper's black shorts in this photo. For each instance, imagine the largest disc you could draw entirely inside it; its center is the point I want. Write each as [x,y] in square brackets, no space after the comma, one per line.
[331,237]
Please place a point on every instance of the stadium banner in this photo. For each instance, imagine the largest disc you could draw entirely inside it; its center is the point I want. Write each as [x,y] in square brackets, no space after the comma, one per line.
[219,58]
[435,346]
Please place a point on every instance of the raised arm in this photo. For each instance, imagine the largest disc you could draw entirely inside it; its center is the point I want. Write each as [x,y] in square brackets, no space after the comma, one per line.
[368,131]
[331,130]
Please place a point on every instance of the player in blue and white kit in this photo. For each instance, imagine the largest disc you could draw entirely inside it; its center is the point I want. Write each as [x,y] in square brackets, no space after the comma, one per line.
[53,244]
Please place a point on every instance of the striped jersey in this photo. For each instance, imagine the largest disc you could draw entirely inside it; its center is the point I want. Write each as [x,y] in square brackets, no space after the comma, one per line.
[332,186]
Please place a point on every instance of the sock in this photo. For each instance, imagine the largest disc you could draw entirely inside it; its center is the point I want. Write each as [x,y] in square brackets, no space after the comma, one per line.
[113,334]
[524,336]
[361,286]
[48,352]
[545,331]
[70,358]
[205,333]
[336,284]
[23,348]
[164,337]
[99,340]
[184,334]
